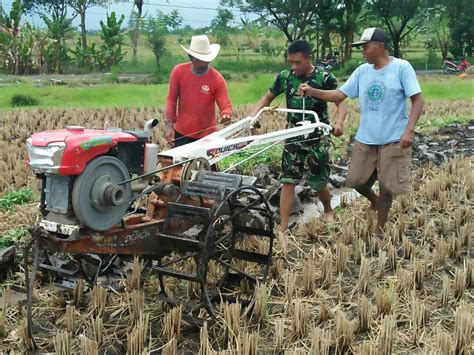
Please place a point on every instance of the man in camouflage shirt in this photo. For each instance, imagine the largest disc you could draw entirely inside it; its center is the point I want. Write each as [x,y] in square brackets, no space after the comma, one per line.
[311,153]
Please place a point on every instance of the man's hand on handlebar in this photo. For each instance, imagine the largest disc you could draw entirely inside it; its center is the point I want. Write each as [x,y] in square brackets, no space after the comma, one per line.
[337,129]
[304,90]
[225,120]
[254,126]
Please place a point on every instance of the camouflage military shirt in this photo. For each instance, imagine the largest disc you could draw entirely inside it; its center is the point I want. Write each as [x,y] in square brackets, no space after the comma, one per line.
[288,83]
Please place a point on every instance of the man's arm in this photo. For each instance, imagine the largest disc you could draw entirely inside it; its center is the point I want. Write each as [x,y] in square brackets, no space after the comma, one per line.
[417,104]
[341,117]
[223,101]
[266,100]
[326,95]
[171,104]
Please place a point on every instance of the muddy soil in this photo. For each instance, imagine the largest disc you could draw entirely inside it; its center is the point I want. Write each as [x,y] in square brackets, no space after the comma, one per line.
[449,141]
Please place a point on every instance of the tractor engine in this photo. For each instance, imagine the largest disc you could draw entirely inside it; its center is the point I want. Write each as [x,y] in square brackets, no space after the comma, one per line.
[84,174]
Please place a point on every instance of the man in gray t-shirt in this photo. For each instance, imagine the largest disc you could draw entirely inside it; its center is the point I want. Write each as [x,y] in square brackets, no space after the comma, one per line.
[382,150]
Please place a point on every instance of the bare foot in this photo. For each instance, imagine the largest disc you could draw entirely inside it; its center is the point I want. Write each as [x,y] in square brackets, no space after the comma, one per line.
[328,216]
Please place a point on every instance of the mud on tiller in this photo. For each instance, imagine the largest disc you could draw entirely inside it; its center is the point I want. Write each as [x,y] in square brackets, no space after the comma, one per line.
[212,229]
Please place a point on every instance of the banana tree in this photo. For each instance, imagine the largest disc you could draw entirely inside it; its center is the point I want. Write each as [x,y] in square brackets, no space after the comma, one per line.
[10,30]
[59,28]
[111,34]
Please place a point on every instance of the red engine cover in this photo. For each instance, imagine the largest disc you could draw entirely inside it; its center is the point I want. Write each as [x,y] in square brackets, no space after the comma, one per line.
[82,145]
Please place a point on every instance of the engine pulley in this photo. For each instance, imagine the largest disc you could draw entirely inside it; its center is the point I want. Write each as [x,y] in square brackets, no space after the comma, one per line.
[98,202]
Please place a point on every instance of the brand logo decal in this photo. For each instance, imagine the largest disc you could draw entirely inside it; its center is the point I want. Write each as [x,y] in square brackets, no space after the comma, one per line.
[95,142]
[205,89]
[375,92]
[216,152]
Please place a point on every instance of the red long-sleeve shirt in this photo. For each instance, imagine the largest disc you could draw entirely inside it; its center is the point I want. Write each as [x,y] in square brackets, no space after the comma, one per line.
[191,101]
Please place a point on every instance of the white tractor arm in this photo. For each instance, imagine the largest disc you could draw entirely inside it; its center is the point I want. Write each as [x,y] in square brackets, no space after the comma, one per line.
[221,144]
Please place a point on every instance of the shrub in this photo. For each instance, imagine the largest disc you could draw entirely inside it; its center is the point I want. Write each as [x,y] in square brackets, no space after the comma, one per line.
[112,77]
[86,59]
[20,100]
[13,198]
[13,236]
[347,67]
[227,76]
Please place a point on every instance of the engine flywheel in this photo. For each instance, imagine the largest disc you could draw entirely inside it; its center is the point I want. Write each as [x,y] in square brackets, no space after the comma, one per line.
[98,202]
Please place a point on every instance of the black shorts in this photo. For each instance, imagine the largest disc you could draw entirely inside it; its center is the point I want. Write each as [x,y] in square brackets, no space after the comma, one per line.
[180,140]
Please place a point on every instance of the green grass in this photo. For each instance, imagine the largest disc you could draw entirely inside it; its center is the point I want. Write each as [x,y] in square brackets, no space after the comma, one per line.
[447,88]
[241,93]
[9,200]
[269,156]
[123,95]
[251,91]
[106,95]
[427,125]
[247,68]
[13,236]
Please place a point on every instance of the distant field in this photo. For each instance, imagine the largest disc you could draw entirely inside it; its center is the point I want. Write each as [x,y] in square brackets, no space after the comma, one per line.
[241,92]
[123,95]
[447,88]
[250,52]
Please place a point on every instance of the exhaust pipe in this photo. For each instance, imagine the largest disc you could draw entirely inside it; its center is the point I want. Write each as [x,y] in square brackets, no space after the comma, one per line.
[151,158]
[149,125]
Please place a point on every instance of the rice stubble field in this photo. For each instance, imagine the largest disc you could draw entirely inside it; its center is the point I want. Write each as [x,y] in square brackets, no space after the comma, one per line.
[332,288]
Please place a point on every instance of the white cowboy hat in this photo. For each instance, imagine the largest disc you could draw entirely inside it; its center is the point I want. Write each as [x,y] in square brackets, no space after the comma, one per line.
[201,49]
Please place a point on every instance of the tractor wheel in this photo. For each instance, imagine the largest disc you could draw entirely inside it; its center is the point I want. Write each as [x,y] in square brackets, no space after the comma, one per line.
[238,248]
[232,251]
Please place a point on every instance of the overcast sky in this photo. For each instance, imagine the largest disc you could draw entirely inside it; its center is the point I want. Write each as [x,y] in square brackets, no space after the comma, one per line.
[195,13]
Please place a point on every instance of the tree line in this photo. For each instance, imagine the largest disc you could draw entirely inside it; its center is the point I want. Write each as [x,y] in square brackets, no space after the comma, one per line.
[25,49]
[450,22]
[330,25]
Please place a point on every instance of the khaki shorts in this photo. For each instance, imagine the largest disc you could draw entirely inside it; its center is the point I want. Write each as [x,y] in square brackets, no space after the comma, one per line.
[387,163]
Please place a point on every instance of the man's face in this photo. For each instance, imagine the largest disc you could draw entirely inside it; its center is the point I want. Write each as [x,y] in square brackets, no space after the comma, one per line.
[372,50]
[199,66]
[300,63]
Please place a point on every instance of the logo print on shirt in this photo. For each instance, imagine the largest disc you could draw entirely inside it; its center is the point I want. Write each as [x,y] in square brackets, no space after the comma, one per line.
[375,93]
[205,89]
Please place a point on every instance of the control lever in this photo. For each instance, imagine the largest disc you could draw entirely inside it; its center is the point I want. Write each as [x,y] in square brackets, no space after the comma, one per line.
[304,106]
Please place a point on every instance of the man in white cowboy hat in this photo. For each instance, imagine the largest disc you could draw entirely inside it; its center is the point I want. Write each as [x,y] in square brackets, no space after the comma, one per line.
[194,89]
[382,147]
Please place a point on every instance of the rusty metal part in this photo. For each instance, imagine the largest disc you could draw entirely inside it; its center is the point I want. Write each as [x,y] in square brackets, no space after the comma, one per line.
[208,221]
[191,169]
[29,285]
[221,241]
